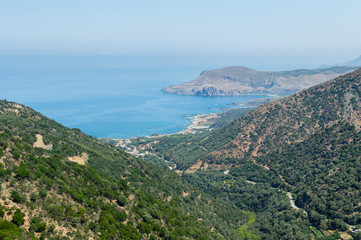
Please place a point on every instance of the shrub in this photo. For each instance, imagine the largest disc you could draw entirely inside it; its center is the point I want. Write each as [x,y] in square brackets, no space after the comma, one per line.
[18,217]
[144,228]
[37,225]
[16,197]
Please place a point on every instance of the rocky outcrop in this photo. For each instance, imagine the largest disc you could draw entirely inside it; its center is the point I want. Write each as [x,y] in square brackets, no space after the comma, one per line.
[40,143]
[243,81]
[82,160]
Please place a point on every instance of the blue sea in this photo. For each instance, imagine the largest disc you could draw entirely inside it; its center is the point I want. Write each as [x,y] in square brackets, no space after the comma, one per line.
[108,96]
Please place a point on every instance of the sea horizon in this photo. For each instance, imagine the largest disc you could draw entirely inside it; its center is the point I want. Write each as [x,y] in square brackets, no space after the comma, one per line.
[108,97]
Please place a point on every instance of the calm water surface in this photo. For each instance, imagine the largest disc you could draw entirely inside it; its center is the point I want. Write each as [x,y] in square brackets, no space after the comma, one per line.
[106,96]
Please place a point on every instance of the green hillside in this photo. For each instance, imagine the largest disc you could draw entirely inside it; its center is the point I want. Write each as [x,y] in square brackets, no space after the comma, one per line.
[287,120]
[287,170]
[46,195]
[307,144]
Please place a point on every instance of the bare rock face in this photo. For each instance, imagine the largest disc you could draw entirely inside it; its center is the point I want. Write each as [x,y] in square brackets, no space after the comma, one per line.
[243,81]
[40,143]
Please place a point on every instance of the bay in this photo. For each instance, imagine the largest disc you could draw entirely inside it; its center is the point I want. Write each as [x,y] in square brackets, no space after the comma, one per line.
[108,96]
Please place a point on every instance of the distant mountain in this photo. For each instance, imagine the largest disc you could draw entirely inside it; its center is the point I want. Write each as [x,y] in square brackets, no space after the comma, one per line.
[241,81]
[355,62]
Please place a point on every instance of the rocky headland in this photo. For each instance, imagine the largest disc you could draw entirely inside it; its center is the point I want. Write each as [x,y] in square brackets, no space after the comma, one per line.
[245,81]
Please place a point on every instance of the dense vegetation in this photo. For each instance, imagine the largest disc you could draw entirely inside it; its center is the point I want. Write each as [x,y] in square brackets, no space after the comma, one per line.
[115,196]
[230,115]
[185,148]
[273,216]
[324,174]
[182,148]
[306,147]
[307,144]
[280,122]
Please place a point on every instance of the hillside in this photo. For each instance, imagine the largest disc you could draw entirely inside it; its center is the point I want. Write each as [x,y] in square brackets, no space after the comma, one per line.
[283,121]
[307,144]
[242,80]
[58,183]
[237,181]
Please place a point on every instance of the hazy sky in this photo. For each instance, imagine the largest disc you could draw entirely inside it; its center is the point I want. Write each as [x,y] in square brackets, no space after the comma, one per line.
[187,27]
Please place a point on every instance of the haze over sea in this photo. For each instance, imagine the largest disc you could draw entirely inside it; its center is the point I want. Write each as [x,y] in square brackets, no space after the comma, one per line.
[108,96]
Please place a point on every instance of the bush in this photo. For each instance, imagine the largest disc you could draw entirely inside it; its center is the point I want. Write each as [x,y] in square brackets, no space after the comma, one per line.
[121,200]
[37,225]
[144,228]
[43,193]
[33,197]
[22,171]
[18,217]
[2,213]
[16,197]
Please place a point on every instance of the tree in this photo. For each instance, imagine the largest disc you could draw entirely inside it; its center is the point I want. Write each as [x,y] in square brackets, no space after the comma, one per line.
[18,217]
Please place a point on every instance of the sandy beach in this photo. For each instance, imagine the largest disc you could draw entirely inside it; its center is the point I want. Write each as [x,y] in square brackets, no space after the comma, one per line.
[199,122]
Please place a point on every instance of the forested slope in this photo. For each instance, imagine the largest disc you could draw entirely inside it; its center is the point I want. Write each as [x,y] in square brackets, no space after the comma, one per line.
[307,144]
[283,121]
[113,196]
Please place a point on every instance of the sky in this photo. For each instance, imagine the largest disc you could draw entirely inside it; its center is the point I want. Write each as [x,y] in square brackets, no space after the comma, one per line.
[326,30]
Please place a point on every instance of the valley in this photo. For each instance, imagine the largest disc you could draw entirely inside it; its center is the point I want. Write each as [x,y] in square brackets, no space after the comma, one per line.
[180,120]
[306,144]
[285,168]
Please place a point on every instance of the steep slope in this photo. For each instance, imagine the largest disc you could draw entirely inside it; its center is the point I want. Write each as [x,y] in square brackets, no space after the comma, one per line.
[294,118]
[307,144]
[46,193]
[286,120]
[242,80]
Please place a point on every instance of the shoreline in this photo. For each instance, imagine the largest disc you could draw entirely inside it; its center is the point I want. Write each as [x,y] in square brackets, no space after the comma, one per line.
[203,121]
[198,122]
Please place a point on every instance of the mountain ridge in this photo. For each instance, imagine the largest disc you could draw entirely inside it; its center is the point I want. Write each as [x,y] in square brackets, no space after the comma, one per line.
[277,121]
[307,144]
[236,80]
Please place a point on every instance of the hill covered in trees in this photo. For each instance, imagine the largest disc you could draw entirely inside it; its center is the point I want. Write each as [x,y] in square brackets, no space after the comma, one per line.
[307,144]
[287,170]
[277,123]
[58,183]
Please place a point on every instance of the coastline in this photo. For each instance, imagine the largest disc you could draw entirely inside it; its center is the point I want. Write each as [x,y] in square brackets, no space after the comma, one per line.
[203,122]
[199,122]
